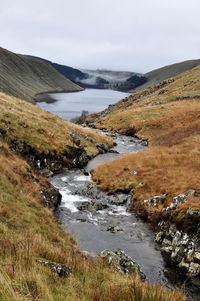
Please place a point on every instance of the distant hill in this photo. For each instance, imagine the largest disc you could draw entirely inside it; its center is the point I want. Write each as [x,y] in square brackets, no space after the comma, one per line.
[25,77]
[158,75]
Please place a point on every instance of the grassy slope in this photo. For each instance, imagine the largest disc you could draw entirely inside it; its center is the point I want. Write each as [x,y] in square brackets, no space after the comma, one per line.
[24,76]
[28,230]
[44,132]
[170,121]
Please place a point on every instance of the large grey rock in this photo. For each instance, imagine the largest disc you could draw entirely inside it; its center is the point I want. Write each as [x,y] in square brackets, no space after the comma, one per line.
[122,262]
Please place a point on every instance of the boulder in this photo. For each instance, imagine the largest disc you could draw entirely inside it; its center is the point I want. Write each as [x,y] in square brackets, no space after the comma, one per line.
[114,229]
[122,262]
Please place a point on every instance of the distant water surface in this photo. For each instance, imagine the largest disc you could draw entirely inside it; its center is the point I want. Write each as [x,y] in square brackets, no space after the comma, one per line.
[71,105]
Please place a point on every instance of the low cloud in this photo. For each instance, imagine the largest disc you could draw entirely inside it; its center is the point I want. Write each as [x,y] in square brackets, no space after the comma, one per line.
[126,35]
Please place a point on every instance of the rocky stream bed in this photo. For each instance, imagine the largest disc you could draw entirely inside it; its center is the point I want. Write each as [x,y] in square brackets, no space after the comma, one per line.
[102,224]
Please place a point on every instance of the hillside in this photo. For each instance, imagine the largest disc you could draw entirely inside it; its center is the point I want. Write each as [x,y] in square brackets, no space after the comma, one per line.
[25,77]
[34,142]
[166,177]
[161,74]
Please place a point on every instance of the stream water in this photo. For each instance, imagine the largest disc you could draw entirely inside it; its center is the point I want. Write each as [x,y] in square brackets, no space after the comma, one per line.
[90,227]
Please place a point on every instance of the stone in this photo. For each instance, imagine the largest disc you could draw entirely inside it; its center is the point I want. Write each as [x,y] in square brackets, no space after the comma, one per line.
[122,262]
[177,255]
[197,257]
[194,269]
[166,242]
[190,255]
[184,265]
[159,237]
[155,201]
[47,173]
[167,250]
[193,212]
[100,206]
[61,270]
[134,173]
[177,239]
[114,229]
[86,206]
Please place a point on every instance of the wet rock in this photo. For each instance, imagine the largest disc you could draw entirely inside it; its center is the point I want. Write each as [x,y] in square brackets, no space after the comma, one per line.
[122,262]
[197,257]
[184,265]
[92,206]
[194,269]
[100,206]
[120,199]
[86,206]
[114,229]
[51,197]
[61,270]
[47,173]
[81,160]
[93,192]
[155,201]
[159,237]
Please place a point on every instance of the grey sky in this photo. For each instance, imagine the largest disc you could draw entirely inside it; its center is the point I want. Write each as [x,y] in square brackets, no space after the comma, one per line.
[135,35]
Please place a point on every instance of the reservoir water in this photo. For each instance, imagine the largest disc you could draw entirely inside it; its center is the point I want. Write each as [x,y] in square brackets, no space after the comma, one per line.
[71,105]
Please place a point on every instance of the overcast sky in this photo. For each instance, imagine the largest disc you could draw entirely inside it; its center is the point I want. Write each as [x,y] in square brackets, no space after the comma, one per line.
[135,35]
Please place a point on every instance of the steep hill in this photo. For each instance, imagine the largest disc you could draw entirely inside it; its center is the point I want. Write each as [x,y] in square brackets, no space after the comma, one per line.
[158,75]
[25,77]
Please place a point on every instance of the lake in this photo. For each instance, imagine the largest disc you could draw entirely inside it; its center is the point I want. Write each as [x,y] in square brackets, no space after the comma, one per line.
[71,105]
